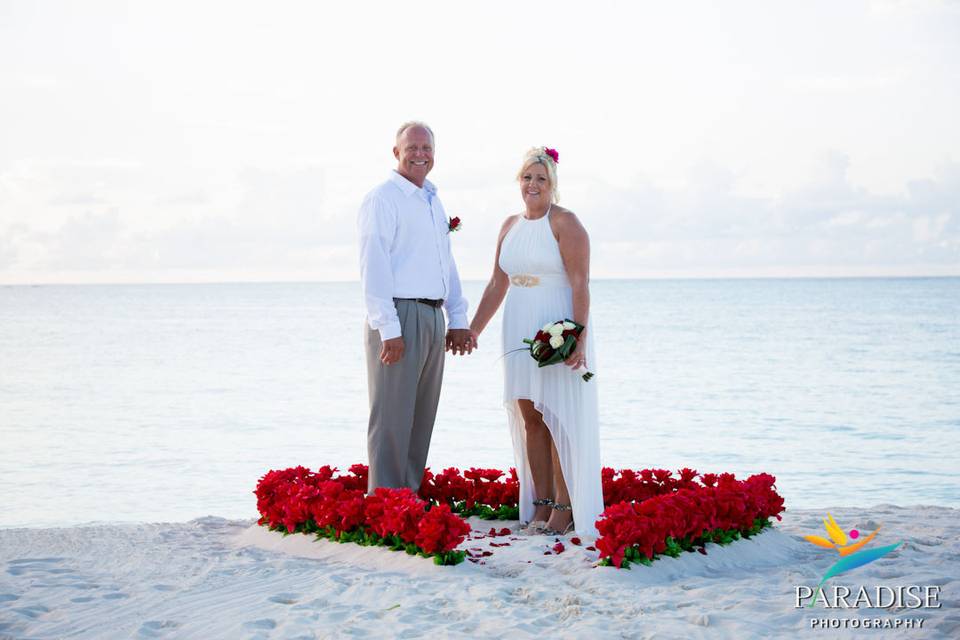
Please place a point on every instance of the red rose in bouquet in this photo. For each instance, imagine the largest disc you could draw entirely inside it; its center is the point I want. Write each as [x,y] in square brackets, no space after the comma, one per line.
[555,342]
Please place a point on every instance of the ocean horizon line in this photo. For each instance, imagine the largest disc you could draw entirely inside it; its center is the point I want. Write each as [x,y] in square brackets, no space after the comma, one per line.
[726,278]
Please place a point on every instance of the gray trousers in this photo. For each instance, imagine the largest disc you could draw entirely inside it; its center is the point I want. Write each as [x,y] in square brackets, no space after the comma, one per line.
[404,397]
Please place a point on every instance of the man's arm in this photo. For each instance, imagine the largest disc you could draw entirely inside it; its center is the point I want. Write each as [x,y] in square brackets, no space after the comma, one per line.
[459,340]
[377,225]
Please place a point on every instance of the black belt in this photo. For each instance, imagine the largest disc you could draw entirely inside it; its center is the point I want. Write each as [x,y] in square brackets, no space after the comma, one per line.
[427,301]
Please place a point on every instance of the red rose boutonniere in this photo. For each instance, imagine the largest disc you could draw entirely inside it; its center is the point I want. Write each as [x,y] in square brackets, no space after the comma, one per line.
[454,225]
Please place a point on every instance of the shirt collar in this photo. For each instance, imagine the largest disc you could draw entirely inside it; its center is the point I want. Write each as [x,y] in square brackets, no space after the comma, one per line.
[408,188]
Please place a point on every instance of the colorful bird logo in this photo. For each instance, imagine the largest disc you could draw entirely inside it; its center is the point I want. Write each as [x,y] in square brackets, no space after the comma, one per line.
[851,555]
[838,540]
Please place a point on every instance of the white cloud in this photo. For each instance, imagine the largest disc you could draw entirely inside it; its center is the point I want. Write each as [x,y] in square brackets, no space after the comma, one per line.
[827,225]
[281,225]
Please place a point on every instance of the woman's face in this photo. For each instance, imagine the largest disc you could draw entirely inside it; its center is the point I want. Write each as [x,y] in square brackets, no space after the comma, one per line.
[535,188]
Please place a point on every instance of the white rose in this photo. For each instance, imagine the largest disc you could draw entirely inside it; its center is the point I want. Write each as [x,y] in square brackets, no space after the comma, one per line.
[569,325]
[547,326]
[556,342]
[556,329]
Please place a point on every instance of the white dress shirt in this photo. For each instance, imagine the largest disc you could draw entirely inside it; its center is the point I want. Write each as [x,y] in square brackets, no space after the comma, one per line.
[405,253]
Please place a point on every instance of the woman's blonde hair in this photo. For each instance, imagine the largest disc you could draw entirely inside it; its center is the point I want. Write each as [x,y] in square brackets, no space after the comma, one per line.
[539,155]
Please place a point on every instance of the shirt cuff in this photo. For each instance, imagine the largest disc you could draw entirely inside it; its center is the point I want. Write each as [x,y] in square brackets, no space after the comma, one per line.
[390,331]
[459,321]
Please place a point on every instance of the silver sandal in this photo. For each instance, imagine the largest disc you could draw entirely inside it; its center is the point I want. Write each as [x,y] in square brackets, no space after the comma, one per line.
[536,527]
[548,531]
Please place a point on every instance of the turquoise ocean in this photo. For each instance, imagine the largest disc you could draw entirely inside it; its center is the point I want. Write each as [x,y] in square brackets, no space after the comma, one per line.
[167,402]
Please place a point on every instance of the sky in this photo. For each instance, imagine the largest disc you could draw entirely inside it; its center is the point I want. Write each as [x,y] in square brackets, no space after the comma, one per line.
[233,141]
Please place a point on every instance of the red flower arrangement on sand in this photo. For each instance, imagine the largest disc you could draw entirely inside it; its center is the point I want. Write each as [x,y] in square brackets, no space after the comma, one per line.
[649,512]
[337,507]
[721,510]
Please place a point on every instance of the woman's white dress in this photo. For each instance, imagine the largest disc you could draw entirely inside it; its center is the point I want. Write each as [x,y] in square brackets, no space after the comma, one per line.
[540,293]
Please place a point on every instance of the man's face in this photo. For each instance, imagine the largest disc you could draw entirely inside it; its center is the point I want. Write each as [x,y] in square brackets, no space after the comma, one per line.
[414,152]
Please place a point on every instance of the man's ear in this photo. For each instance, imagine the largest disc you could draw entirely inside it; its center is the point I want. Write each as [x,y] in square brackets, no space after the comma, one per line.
[396,152]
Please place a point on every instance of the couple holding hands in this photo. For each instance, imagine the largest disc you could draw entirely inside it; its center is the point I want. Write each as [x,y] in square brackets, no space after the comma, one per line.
[541,268]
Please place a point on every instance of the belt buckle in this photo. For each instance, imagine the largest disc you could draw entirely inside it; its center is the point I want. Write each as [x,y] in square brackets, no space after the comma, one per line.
[524,280]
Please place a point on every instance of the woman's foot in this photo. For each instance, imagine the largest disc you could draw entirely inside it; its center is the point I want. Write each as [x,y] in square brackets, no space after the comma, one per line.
[560,522]
[543,507]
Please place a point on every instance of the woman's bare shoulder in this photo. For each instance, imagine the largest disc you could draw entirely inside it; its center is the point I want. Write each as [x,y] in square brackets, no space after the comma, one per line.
[564,219]
[508,224]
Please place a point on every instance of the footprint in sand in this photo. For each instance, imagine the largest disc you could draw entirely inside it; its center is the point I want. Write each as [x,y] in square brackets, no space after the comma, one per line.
[264,623]
[32,565]
[84,585]
[285,598]
[927,542]
[115,596]
[82,599]
[32,612]
[509,571]
[338,613]
[157,628]
[315,604]
[164,587]
[8,597]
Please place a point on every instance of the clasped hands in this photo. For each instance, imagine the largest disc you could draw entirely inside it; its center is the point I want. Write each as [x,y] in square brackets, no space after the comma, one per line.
[457,341]
[461,341]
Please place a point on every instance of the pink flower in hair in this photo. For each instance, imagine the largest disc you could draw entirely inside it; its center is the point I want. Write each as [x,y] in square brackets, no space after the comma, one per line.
[552,153]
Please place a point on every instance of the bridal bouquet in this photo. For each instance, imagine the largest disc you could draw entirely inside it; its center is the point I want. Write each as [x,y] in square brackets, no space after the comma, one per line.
[555,342]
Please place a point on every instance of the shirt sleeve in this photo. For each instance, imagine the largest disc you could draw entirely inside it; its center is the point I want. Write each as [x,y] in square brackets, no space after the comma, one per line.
[456,304]
[377,223]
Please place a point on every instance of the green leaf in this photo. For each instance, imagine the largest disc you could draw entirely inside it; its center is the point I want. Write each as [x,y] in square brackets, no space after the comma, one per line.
[508,513]
[485,512]
[673,549]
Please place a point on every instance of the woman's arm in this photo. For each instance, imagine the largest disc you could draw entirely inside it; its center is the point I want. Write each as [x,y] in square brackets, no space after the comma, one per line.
[575,252]
[496,289]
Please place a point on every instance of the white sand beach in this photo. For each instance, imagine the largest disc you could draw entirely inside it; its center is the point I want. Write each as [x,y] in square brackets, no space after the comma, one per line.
[216,578]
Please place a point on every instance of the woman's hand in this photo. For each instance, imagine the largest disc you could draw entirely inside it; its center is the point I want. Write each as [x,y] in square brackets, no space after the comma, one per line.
[577,357]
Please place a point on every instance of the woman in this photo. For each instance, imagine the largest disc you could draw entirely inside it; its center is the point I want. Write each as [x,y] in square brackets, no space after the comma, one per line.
[542,267]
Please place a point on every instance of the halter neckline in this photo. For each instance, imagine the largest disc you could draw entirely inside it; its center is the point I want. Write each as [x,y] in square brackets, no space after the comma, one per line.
[549,207]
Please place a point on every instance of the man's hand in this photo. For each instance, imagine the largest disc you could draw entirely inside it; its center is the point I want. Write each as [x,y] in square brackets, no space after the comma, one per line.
[460,341]
[391,351]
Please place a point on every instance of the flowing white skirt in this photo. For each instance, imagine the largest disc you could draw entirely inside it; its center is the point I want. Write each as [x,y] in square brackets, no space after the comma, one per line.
[567,402]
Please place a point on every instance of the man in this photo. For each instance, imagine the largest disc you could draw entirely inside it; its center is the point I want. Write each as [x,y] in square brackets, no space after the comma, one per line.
[407,273]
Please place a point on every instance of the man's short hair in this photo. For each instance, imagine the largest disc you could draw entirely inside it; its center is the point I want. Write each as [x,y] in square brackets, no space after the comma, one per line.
[414,123]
